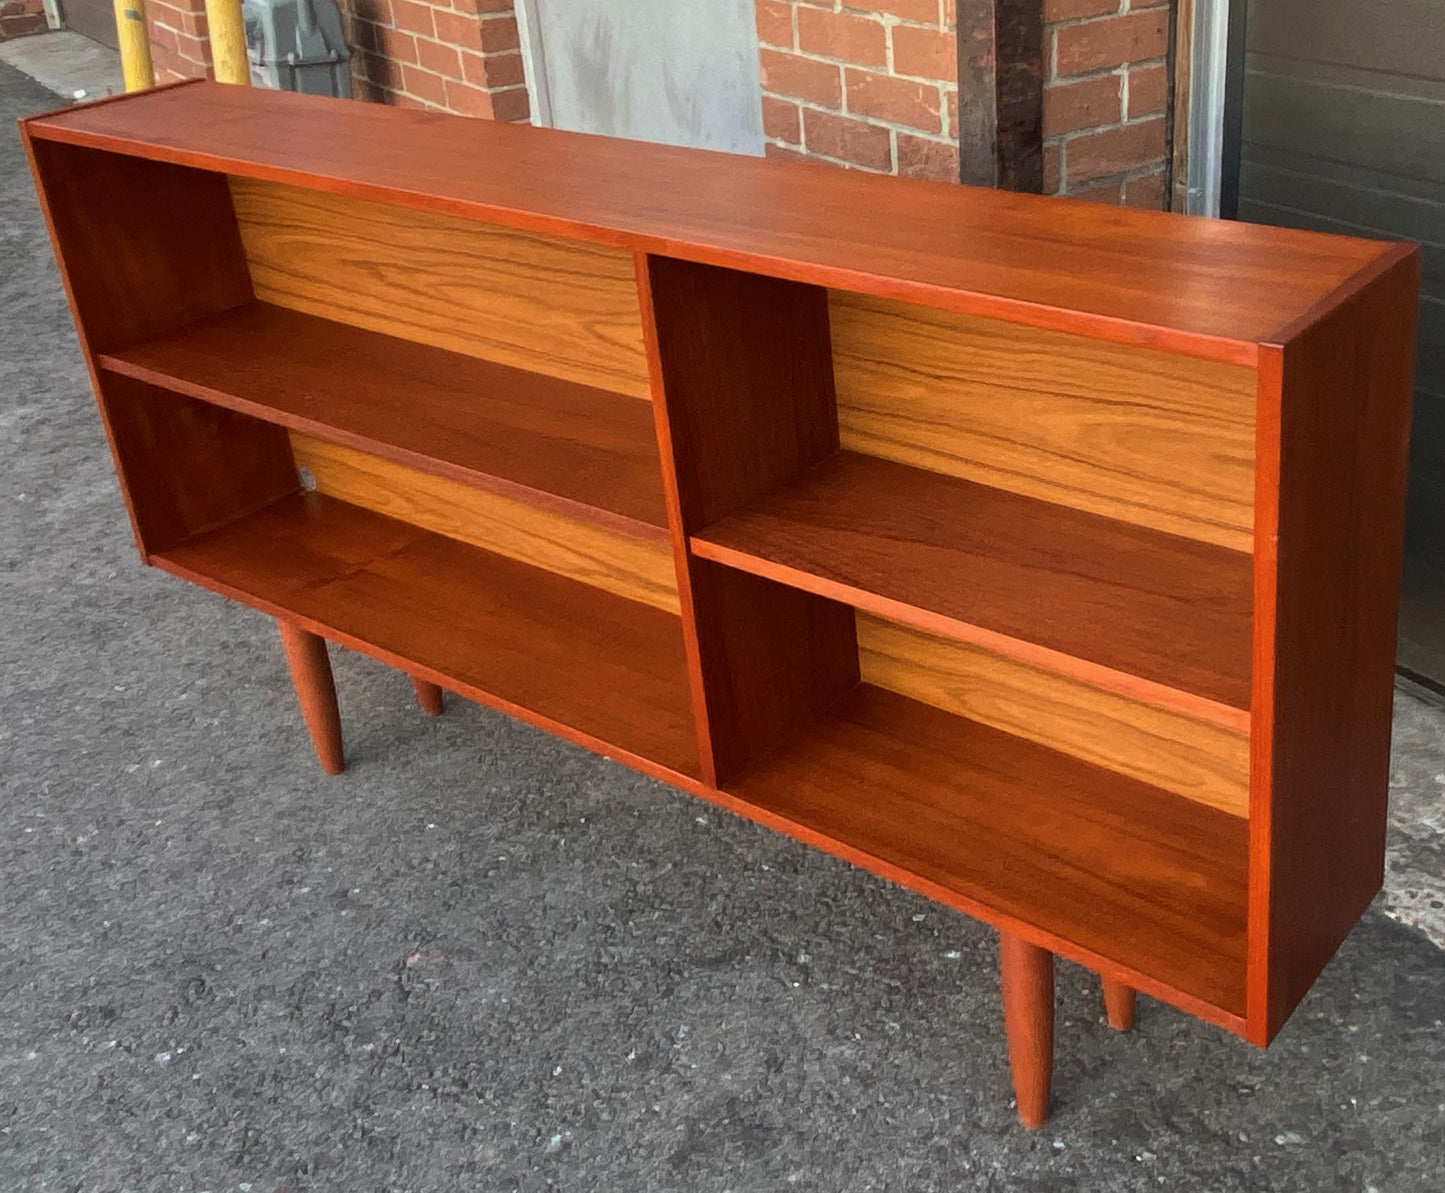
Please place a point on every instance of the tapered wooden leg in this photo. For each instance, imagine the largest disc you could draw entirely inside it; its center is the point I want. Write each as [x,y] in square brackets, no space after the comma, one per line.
[428,695]
[316,693]
[1118,1004]
[1028,1015]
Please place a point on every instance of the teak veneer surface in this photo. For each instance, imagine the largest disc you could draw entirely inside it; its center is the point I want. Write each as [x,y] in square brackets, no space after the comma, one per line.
[1149,879]
[567,308]
[432,409]
[609,668]
[1208,287]
[1164,747]
[1149,437]
[898,540]
[636,566]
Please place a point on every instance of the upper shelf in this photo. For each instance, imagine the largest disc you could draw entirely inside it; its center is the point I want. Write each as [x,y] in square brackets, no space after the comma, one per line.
[951,556]
[1212,288]
[440,411]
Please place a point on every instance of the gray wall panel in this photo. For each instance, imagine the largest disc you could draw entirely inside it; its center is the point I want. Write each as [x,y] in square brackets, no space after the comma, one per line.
[1344,131]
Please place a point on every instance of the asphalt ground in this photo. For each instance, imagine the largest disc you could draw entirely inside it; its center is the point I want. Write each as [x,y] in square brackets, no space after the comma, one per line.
[486,960]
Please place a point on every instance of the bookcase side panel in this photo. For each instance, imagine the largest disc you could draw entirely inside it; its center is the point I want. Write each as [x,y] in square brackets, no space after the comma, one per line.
[190,466]
[1137,434]
[1327,622]
[745,395]
[564,308]
[145,247]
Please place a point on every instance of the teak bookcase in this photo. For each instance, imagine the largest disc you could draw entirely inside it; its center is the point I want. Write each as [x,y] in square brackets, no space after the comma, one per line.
[1038,555]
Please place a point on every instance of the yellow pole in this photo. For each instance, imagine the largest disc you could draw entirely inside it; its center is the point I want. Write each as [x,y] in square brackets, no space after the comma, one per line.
[135,45]
[228,41]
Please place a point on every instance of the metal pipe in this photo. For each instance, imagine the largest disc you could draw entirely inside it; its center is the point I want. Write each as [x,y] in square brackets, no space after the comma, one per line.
[134,40]
[228,42]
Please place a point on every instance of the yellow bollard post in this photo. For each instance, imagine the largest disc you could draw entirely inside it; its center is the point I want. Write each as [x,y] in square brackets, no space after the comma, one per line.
[228,41]
[134,40]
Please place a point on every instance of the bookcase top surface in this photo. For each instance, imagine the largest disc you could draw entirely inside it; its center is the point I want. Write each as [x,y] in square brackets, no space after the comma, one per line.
[1209,287]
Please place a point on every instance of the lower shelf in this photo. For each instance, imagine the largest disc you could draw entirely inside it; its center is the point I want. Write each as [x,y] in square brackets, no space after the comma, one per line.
[1125,870]
[538,645]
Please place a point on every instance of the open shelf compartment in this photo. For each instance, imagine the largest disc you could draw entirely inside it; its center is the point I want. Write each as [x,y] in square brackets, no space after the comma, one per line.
[1127,871]
[953,557]
[598,668]
[439,411]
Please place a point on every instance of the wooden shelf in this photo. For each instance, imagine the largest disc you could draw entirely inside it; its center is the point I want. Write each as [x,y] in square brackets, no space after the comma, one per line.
[440,411]
[583,662]
[1211,287]
[1139,875]
[953,557]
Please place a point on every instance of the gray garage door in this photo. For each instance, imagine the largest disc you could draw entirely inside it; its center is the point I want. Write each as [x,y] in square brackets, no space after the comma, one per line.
[1344,130]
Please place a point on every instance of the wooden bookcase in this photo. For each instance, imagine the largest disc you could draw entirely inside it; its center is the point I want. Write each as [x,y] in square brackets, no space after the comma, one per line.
[1038,555]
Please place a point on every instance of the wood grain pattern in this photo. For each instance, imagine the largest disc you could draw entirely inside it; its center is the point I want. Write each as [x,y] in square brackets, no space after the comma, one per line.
[477,421]
[1170,750]
[187,466]
[606,671]
[144,247]
[1152,438]
[1210,287]
[947,555]
[1119,1002]
[428,696]
[1333,460]
[1151,881]
[745,400]
[561,307]
[1027,977]
[315,692]
[638,567]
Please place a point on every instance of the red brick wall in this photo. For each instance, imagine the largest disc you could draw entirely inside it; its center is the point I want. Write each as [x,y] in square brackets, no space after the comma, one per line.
[871,84]
[463,56]
[19,17]
[1105,97]
[458,56]
[180,45]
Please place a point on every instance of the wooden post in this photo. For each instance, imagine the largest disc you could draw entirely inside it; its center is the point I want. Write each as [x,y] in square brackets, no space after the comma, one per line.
[1028,1015]
[316,692]
[1118,1004]
[428,695]
[228,42]
[1001,94]
[134,41]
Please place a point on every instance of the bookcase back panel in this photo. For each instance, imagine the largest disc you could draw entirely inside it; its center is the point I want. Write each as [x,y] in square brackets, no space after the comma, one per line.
[565,308]
[1165,748]
[1148,437]
[547,537]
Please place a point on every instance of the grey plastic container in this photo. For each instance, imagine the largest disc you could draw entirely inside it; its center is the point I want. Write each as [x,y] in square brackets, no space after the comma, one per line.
[297,45]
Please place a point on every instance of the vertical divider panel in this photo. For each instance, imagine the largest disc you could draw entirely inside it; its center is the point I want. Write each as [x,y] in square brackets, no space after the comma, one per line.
[742,376]
[145,247]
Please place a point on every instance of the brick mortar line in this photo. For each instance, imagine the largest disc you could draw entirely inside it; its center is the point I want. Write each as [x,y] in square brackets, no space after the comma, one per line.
[1105,71]
[1077,133]
[886,72]
[1119,180]
[1128,176]
[944,136]
[838,161]
[1071,22]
